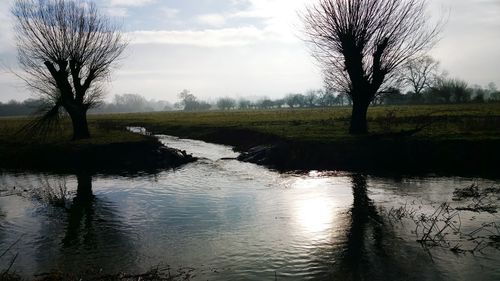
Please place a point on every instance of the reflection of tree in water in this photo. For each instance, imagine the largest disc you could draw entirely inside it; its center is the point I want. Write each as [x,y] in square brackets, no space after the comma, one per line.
[93,235]
[362,213]
[372,251]
[81,214]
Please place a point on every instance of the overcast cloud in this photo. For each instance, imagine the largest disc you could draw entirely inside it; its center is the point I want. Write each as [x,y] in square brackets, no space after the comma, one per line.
[251,47]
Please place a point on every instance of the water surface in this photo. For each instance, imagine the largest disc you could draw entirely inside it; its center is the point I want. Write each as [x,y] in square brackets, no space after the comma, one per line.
[227,220]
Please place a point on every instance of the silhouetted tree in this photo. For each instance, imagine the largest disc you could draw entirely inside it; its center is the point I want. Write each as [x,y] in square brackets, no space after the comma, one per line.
[311,98]
[495,96]
[244,104]
[493,93]
[190,103]
[478,98]
[327,98]
[295,100]
[279,103]
[393,96]
[290,100]
[492,87]
[188,100]
[66,49]
[479,94]
[226,103]
[265,104]
[129,103]
[344,99]
[449,90]
[360,44]
[420,74]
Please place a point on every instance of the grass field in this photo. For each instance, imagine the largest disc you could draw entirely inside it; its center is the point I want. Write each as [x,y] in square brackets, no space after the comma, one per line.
[447,138]
[11,133]
[469,121]
[108,151]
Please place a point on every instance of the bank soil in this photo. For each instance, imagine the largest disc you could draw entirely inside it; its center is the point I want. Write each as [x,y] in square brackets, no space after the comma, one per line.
[146,155]
[378,154]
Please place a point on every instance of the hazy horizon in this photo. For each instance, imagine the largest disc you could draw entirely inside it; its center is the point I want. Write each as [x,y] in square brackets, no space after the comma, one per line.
[250,48]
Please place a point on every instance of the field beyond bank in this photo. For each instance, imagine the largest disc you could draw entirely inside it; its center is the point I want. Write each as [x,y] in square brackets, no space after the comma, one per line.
[468,121]
[437,139]
[450,139]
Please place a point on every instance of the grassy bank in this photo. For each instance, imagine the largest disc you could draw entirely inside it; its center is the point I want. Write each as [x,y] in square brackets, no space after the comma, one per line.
[110,150]
[451,139]
[471,121]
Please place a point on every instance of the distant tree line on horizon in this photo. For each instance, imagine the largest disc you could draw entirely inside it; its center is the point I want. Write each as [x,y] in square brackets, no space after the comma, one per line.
[445,91]
[371,52]
[438,90]
[126,103]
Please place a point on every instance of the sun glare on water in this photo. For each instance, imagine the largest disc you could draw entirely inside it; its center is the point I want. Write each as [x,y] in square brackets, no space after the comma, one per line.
[315,211]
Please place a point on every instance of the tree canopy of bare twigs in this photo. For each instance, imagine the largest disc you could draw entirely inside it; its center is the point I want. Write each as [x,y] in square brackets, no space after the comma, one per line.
[361,43]
[420,73]
[66,49]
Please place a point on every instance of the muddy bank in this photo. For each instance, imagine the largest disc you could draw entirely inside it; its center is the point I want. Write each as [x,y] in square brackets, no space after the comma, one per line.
[412,157]
[384,155]
[147,155]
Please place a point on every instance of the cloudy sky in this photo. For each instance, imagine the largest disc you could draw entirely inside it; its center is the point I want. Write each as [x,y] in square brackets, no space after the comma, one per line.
[250,48]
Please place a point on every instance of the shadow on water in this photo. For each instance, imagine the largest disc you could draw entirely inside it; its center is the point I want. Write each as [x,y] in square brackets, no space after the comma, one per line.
[372,251]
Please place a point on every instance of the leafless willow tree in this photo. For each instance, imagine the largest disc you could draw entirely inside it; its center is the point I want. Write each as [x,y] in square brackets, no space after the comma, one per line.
[420,73]
[66,49]
[361,43]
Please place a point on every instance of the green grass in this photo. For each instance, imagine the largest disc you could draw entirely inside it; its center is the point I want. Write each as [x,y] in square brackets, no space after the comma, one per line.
[454,138]
[57,151]
[10,133]
[471,121]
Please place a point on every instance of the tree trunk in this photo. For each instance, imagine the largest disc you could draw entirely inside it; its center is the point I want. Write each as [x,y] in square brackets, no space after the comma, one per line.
[358,118]
[79,121]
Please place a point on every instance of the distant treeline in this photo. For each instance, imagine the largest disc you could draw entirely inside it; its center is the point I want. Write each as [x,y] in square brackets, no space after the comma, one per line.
[15,108]
[127,103]
[445,91]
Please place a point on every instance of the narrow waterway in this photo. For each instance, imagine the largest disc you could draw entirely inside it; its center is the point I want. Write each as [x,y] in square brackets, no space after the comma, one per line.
[221,219]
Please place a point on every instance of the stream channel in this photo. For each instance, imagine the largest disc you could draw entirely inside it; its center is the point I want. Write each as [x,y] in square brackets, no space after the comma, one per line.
[222,219]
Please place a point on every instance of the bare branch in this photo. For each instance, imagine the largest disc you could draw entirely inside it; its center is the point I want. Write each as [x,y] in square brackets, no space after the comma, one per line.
[67,50]
[360,44]
[364,41]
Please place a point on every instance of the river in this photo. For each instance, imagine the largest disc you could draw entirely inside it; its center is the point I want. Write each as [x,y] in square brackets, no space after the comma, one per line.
[221,219]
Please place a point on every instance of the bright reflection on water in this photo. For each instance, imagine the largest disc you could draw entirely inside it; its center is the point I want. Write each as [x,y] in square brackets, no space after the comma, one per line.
[226,220]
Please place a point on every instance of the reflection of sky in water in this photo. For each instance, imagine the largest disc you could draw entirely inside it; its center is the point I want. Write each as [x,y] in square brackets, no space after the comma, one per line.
[242,219]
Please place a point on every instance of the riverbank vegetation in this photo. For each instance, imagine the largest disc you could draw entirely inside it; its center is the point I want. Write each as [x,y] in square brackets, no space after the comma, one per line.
[455,139]
[109,150]
[451,139]
[431,122]
[155,274]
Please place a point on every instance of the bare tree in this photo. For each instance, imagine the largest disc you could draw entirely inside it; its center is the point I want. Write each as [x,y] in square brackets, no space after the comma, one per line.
[420,74]
[361,43]
[66,49]
[226,103]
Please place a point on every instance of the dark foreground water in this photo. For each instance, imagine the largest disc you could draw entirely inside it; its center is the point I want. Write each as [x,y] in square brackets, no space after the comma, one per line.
[227,220]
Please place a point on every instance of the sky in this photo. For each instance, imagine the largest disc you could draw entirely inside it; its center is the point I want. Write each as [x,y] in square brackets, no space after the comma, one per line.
[249,48]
